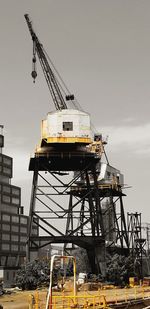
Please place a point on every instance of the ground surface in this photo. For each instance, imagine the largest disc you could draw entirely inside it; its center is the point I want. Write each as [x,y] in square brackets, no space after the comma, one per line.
[22,299]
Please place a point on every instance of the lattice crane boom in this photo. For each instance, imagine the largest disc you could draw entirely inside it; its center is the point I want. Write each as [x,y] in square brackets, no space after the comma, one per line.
[51,80]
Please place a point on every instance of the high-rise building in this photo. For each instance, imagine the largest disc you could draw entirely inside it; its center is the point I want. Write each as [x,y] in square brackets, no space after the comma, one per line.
[13,223]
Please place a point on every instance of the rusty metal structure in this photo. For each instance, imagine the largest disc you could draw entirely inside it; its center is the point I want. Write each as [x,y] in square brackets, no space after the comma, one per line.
[146,232]
[71,214]
[67,195]
[136,241]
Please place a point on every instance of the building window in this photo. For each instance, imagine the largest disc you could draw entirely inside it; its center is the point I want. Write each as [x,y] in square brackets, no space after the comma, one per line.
[11,261]
[7,171]
[15,228]
[23,220]
[34,231]
[14,247]
[15,200]
[15,191]
[3,260]
[67,126]
[14,209]
[11,209]
[4,179]
[15,219]
[6,199]
[5,217]
[23,230]
[7,161]
[14,237]
[5,227]
[23,238]
[6,247]
[6,189]
[22,248]
[5,236]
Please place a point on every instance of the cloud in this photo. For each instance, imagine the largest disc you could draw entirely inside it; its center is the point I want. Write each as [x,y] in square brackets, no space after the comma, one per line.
[129,119]
[135,138]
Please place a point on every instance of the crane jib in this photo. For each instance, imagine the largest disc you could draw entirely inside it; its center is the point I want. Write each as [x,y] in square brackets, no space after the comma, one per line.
[51,80]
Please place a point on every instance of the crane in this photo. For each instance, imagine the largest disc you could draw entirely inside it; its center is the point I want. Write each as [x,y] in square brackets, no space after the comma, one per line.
[50,77]
[68,145]
[54,86]
[66,125]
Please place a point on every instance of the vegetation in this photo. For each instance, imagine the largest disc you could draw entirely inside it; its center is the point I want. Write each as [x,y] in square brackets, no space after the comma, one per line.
[33,275]
[36,273]
[119,269]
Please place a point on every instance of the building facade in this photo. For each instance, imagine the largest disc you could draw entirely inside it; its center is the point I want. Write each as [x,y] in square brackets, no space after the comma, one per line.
[13,223]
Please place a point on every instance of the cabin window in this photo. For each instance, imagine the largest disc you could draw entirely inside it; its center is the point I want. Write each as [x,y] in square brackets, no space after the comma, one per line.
[67,126]
[108,175]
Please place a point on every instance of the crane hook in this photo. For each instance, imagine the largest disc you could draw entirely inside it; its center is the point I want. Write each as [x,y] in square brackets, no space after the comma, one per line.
[34,73]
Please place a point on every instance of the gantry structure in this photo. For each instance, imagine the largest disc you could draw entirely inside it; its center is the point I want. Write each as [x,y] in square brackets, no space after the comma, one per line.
[71,202]
[136,241]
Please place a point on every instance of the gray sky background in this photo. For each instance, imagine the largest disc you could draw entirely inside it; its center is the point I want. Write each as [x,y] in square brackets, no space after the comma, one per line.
[101,48]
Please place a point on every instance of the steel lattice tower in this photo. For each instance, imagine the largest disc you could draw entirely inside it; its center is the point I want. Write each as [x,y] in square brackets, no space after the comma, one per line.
[69,213]
[136,242]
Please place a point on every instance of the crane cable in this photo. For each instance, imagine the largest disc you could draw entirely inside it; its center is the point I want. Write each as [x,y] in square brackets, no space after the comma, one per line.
[78,106]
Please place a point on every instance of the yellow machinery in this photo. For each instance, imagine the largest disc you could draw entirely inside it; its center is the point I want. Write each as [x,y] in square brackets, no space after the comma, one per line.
[49,302]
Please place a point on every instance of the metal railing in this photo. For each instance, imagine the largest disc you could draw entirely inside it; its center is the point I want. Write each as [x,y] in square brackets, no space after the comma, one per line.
[68,302]
[101,300]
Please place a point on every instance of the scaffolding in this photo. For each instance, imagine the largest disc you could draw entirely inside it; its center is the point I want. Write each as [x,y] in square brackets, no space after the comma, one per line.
[136,242]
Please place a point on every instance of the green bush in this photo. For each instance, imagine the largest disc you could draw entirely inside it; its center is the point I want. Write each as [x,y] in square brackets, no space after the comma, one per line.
[119,269]
[33,275]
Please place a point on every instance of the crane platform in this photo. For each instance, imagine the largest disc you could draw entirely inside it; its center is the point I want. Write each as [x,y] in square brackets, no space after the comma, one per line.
[81,241]
[63,161]
[106,190]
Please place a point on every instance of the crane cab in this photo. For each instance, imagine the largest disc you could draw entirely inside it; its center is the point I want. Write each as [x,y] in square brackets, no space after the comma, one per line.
[67,126]
[107,176]
[110,175]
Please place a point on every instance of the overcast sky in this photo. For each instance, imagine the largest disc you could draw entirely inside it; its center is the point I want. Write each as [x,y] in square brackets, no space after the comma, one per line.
[101,48]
